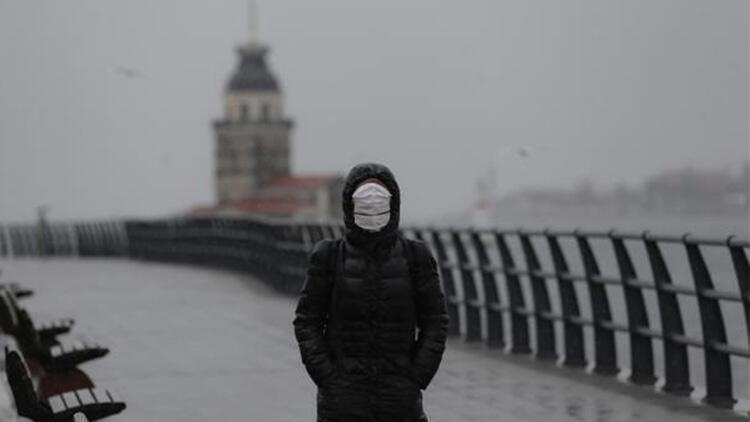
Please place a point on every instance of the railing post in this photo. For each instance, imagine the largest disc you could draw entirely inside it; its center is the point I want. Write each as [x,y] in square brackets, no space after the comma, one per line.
[17,241]
[50,240]
[35,246]
[3,249]
[81,240]
[73,240]
[320,229]
[572,328]
[471,300]
[718,365]
[112,237]
[32,241]
[305,237]
[90,239]
[517,304]
[96,239]
[316,234]
[641,347]
[328,232]
[471,295]
[283,258]
[104,250]
[492,303]
[14,241]
[298,261]
[8,242]
[676,368]
[449,286]
[339,230]
[131,231]
[545,329]
[742,270]
[605,348]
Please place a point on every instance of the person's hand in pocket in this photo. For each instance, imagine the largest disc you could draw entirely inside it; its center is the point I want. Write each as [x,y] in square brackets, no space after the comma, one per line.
[332,375]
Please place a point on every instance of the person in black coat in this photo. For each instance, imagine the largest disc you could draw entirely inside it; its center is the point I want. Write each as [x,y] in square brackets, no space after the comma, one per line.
[371,319]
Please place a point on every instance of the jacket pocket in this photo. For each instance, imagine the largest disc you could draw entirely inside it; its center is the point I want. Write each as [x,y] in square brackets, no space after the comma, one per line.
[411,375]
[352,366]
[331,377]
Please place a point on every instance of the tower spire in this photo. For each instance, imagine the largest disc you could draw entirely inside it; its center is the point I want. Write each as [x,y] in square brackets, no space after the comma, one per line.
[252,22]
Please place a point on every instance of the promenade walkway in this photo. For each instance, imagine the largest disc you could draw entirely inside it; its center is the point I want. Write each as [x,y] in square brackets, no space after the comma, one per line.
[195,344]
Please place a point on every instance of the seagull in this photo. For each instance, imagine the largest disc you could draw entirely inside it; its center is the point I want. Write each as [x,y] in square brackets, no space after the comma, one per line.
[128,72]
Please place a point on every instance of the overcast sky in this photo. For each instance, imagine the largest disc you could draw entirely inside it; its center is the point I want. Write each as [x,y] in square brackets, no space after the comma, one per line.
[611,91]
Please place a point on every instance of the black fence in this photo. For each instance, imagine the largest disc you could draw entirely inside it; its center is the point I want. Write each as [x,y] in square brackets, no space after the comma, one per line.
[481,259]
[101,238]
[600,300]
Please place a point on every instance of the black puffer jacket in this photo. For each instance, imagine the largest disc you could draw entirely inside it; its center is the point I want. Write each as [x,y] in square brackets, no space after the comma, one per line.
[356,331]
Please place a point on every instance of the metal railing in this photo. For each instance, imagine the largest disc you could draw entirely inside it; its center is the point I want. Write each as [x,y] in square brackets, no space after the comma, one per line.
[471,278]
[567,296]
[100,238]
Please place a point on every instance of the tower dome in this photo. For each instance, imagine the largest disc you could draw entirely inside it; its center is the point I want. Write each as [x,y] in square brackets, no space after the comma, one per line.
[252,74]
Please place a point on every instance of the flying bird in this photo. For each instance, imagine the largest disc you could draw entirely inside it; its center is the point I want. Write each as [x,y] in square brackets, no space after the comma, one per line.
[128,72]
[518,151]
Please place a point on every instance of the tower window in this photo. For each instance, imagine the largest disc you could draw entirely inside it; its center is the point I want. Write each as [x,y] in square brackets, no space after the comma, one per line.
[265,112]
[244,112]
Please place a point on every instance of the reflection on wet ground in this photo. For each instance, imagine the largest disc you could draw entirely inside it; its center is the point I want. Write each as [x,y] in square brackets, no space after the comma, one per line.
[193,344]
[476,384]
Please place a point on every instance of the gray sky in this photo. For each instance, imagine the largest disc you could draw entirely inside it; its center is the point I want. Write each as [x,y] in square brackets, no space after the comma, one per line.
[439,91]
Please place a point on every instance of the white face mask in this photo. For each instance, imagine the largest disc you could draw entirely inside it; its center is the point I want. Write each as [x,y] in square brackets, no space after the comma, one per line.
[372,206]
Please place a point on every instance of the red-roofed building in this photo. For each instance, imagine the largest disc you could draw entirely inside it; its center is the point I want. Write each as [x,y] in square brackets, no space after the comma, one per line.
[314,197]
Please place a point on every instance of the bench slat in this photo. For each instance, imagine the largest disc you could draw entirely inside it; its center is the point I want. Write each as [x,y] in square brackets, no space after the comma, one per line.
[85,396]
[101,395]
[114,396]
[71,400]
[56,404]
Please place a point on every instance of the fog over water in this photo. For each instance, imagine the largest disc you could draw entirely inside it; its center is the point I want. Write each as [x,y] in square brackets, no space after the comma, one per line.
[611,91]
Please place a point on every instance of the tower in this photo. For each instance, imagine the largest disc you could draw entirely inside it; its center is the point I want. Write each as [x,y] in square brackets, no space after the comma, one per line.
[253,137]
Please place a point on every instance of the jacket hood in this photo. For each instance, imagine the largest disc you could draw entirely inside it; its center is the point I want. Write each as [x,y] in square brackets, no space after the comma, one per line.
[358,174]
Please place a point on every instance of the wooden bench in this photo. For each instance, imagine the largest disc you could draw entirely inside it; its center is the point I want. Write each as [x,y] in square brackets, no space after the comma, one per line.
[62,357]
[93,403]
[55,327]
[53,356]
[9,322]
[18,291]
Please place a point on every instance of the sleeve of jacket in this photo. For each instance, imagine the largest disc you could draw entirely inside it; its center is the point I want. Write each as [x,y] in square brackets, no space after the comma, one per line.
[311,314]
[432,317]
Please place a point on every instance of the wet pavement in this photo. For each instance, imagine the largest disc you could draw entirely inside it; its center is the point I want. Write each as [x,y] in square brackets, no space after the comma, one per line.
[196,344]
